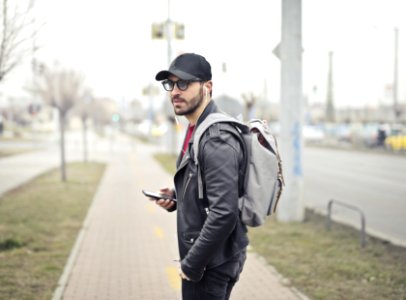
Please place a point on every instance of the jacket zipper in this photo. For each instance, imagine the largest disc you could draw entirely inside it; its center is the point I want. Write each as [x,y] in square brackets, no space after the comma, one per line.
[187,183]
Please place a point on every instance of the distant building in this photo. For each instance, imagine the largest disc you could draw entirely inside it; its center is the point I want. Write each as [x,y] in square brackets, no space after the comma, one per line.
[383,113]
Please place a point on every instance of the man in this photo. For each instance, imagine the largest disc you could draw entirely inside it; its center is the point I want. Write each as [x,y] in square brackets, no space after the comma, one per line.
[211,237]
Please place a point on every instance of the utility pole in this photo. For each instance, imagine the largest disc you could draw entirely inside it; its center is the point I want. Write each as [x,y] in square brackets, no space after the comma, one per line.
[169,30]
[33,59]
[330,95]
[289,51]
[395,77]
[169,33]
[174,139]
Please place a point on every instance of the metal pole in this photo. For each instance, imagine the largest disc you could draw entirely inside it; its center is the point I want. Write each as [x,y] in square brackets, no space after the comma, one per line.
[329,205]
[173,140]
[330,93]
[363,240]
[291,207]
[169,33]
[395,77]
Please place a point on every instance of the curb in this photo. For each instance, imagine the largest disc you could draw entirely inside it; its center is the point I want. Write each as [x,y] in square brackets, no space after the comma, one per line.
[63,280]
[283,280]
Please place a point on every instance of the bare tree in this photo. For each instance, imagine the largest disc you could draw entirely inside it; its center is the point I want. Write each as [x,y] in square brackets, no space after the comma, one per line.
[249,100]
[83,109]
[102,110]
[17,34]
[60,88]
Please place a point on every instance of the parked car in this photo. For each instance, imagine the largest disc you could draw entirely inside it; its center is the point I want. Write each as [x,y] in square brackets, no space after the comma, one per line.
[396,140]
[313,134]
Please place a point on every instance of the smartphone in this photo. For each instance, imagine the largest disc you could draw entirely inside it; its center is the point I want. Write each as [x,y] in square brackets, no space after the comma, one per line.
[156,196]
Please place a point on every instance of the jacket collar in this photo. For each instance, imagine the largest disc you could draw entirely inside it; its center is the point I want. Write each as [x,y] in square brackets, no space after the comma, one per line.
[210,108]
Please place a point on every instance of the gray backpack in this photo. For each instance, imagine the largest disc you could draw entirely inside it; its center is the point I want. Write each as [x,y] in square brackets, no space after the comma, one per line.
[263,179]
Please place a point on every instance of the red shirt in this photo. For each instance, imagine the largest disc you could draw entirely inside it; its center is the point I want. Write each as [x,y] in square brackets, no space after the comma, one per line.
[189,133]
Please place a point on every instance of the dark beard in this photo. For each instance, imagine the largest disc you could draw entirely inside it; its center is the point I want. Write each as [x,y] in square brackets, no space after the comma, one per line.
[196,102]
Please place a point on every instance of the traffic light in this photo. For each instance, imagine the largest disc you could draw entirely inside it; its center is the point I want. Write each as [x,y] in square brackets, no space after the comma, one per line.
[179,31]
[115,118]
[157,31]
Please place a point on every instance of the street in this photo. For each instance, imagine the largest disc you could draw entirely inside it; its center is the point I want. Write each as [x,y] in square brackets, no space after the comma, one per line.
[376,183]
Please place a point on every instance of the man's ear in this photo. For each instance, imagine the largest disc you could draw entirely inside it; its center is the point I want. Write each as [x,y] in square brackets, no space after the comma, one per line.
[208,86]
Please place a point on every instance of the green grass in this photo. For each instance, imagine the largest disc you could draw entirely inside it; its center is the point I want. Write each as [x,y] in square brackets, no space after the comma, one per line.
[39,223]
[327,264]
[331,264]
[167,161]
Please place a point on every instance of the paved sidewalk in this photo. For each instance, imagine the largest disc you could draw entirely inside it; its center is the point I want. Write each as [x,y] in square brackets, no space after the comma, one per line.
[18,169]
[127,247]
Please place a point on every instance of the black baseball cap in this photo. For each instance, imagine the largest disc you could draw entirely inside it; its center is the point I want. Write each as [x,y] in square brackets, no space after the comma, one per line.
[187,66]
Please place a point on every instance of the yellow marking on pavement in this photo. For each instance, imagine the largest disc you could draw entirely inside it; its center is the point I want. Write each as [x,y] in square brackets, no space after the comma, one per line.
[159,233]
[173,277]
[151,207]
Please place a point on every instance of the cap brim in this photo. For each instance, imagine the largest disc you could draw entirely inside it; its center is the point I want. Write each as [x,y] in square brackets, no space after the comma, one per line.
[178,73]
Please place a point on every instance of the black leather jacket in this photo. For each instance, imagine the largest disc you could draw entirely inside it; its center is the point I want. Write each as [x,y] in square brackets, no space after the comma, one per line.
[209,230]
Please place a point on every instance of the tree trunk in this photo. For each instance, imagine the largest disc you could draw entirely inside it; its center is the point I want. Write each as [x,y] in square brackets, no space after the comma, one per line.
[62,144]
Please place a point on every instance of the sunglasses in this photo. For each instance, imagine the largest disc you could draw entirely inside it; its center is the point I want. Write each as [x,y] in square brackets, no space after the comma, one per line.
[181,84]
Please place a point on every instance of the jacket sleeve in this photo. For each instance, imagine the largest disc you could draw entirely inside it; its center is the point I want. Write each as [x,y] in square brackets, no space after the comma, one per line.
[220,165]
[176,203]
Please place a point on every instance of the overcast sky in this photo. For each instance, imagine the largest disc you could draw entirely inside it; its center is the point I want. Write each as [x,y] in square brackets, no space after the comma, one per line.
[109,41]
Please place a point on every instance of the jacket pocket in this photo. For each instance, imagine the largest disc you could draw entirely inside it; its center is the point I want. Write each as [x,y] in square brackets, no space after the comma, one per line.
[190,237]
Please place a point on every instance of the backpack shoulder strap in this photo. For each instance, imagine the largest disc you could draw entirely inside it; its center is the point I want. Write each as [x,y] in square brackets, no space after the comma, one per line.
[201,129]
[209,121]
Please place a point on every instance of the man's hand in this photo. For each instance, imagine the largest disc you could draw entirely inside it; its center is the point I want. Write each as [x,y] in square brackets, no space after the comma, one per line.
[166,203]
[182,275]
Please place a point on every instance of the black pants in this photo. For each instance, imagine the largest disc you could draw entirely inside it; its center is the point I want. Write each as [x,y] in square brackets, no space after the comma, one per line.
[217,282]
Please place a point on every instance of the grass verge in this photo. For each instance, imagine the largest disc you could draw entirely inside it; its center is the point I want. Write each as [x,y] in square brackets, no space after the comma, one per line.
[39,223]
[331,264]
[327,264]
[167,161]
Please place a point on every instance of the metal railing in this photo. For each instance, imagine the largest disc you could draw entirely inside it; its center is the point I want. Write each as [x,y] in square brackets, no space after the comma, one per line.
[352,207]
